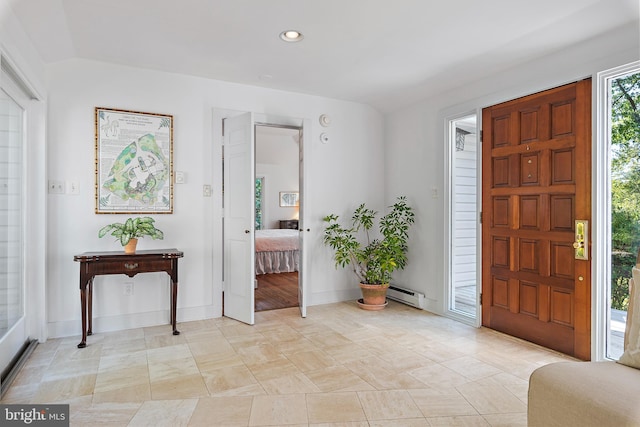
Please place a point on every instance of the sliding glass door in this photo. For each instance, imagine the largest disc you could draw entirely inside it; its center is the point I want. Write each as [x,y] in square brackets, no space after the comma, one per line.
[12,288]
[624,188]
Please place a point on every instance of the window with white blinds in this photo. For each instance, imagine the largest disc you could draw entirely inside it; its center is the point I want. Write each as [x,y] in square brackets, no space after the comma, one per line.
[11,213]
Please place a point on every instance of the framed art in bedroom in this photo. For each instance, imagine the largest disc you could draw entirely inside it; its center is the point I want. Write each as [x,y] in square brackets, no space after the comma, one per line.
[289,198]
[134,162]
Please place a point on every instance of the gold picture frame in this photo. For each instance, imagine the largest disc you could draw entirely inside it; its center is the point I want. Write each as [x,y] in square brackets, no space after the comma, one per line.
[134,162]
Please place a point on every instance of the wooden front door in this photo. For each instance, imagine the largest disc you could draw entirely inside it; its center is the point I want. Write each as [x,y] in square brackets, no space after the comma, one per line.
[536,182]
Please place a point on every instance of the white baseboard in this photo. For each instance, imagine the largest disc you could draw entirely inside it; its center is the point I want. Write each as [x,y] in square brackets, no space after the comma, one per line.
[69,328]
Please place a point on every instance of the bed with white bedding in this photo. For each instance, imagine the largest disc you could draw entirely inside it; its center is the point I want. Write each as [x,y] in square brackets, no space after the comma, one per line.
[277,251]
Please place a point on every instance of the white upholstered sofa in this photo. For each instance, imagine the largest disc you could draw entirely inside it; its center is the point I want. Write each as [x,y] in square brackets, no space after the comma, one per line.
[584,394]
[592,394]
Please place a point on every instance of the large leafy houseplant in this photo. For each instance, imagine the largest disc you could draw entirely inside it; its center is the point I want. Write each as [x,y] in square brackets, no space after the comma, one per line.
[372,259]
[131,230]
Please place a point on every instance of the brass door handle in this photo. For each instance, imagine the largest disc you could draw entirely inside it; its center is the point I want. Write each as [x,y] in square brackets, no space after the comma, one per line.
[580,245]
[131,266]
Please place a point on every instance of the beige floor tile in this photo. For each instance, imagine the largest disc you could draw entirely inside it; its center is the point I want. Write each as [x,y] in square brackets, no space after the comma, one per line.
[338,378]
[163,354]
[30,375]
[437,374]
[123,347]
[399,367]
[391,404]
[171,369]
[492,399]
[64,389]
[465,421]
[409,422]
[122,361]
[135,393]
[279,410]
[161,413]
[471,367]
[259,355]
[289,384]
[63,369]
[122,378]
[21,394]
[223,411]
[273,369]
[442,402]
[105,413]
[312,360]
[506,420]
[185,387]
[225,380]
[211,363]
[210,346]
[334,407]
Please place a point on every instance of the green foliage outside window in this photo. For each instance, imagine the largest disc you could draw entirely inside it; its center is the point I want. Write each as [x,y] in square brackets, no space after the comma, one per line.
[625,184]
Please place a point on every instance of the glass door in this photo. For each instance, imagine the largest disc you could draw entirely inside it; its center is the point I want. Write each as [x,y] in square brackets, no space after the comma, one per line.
[12,324]
[624,169]
[463,215]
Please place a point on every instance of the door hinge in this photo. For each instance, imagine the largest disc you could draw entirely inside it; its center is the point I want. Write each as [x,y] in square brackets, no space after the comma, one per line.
[480,298]
[223,122]
[480,136]
[480,217]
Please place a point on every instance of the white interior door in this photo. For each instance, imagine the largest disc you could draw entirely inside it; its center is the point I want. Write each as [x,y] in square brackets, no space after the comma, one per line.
[239,218]
[302,300]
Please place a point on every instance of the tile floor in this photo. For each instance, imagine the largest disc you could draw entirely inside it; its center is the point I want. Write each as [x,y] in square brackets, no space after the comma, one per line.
[340,366]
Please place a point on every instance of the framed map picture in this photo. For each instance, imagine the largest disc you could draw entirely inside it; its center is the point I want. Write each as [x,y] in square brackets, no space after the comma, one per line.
[134,162]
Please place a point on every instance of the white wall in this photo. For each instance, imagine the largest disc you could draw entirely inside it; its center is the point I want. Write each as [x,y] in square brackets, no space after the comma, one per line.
[415,142]
[339,175]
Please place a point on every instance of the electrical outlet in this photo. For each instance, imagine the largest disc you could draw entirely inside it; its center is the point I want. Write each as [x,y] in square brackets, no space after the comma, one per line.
[56,187]
[179,177]
[128,288]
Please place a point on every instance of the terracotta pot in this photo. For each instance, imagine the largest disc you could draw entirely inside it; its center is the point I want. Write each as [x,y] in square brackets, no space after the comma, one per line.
[374,294]
[130,248]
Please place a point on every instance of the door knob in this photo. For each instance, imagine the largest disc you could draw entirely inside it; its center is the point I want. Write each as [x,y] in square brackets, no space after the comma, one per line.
[247,231]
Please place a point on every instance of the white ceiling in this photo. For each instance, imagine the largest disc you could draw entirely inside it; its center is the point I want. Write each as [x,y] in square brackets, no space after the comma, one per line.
[387,53]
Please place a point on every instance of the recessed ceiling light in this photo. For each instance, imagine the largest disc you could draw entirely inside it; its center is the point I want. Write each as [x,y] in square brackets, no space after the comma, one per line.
[291,36]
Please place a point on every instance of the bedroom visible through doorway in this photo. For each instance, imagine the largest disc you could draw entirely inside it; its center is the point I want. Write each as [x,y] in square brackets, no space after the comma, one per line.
[277,235]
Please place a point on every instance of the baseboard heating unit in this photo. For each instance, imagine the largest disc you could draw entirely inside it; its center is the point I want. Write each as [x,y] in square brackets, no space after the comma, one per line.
[406,296]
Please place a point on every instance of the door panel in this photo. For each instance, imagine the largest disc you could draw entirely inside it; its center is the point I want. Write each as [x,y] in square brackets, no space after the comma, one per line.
[536,183]
[239,220]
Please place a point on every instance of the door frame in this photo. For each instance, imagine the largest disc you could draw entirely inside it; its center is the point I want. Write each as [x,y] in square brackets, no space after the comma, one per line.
[217,209]
[601,210]
[449,215]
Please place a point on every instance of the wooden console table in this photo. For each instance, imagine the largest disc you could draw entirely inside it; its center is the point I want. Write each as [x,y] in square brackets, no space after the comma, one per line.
[100,263]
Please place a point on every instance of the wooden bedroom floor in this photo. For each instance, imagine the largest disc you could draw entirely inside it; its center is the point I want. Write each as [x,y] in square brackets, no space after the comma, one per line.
[276,291]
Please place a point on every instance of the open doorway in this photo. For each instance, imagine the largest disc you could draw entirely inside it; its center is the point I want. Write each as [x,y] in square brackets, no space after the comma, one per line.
[463,192]
[277,205]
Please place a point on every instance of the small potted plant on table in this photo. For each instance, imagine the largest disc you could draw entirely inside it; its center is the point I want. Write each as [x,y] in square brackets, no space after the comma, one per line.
[372,260]
[127,233]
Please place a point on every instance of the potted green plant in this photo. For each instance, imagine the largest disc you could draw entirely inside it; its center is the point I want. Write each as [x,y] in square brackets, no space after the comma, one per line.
[127,233]
[372,259]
